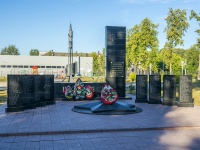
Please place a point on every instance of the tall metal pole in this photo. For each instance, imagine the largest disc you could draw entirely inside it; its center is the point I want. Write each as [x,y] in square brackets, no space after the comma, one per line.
[70,50]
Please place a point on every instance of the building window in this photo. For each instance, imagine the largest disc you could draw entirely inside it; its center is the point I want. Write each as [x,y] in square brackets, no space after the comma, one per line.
[63,66]
[20,66]
[14,66]
[53,66]
[42,66]
[58,66]
[8,66]
[48,66]
[3,66]
[25,66]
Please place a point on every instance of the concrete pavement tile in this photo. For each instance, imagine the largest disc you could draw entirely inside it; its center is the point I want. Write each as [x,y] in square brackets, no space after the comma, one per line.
[5,146]
[46,137]
[46,144]
[32,145]
[59,137]
[74,147]
[18,146]
[8,139]
[82,136]
[21,138]
[70,136]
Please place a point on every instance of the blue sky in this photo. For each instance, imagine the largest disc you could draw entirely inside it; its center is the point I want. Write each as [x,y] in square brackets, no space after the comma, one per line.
[44,24]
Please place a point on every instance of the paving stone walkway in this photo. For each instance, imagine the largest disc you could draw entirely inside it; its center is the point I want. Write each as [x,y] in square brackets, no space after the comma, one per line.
[57,127]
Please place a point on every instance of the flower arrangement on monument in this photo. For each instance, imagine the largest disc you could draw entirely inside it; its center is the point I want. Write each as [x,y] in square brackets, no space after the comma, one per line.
[89,92]
[68,91]
[108,94]
[79,90]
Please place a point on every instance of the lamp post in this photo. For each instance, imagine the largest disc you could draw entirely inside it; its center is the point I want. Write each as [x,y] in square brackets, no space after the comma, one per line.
[139,65]
[150,66]
[182,65]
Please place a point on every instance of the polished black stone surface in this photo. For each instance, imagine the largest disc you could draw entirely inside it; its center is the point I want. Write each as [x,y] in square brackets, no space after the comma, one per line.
[169,90]
[185,91]
[29,91]
[99,108]
[115,39]
[155,89]
[141,89]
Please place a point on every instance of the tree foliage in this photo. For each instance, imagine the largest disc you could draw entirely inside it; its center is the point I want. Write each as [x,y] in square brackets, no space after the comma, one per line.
[194,15]
[179,51]
[98,62]
[10,50]
[34,52]
[142,44]
[176,27]
[192,57]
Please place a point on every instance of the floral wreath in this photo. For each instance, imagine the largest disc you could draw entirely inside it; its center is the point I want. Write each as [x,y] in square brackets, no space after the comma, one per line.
[108,94]
[68,91]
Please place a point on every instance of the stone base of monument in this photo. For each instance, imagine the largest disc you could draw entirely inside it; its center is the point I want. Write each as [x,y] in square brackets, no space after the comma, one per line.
[154,102]
[181,104]
[29,106]
[141,101]
[14,109]
[169,103]
[99,108]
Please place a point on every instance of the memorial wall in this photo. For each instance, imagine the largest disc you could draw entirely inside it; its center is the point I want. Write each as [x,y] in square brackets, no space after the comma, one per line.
[29,91]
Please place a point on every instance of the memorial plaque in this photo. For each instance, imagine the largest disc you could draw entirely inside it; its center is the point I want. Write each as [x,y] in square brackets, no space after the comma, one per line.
[39,94]
[169,90]
[155,89]
[185,92]
[27,91]
[116,58]
[49,89]
[117,69]
[141,89]
[14,91]
[27,83]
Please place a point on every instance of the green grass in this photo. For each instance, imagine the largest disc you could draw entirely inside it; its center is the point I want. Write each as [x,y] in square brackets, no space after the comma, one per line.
[196,92]
[3,97]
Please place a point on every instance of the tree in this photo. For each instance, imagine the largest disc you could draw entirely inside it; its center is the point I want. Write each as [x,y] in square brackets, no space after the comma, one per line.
[164,61]
[194,15]
[179,51]
[34,52]
[10,50]
[50,53]
[132,47]
[142,43]
[192,57]
[102,61]
[95,61]
[176,27]
[149,43]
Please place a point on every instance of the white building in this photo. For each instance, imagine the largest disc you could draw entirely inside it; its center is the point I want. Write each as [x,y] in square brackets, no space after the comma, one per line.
[16,64]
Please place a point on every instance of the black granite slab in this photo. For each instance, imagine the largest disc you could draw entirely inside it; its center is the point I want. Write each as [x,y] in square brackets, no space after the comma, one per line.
[185,91]
[155,89]
[169,90]
[141,89]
